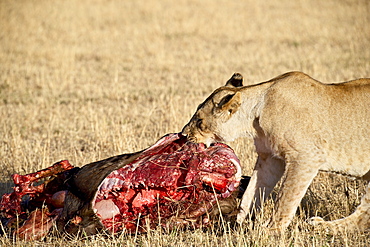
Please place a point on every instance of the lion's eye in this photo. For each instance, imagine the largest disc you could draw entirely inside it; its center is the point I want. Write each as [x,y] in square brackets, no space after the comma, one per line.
[200,124]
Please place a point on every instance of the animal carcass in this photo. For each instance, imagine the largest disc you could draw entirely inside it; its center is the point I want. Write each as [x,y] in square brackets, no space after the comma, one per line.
[174,183]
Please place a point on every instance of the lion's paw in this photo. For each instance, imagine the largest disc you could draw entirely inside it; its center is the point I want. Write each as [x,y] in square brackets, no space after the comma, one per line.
[316,221]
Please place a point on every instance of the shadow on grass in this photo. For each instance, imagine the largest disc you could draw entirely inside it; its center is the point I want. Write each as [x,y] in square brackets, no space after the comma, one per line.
[6,186]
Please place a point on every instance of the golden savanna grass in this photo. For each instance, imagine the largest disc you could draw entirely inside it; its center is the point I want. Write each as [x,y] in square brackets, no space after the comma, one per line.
[85,80]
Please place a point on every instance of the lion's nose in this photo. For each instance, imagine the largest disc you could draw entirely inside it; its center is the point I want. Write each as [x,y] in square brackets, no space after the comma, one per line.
[185,131]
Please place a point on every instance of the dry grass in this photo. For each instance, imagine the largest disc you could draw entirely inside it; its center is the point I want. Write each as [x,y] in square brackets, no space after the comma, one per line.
[86,80]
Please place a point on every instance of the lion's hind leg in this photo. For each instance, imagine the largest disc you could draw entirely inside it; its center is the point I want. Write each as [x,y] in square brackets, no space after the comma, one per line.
[359,220]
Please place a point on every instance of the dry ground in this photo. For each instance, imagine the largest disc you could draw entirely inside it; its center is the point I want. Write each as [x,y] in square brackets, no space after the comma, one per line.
[85,80]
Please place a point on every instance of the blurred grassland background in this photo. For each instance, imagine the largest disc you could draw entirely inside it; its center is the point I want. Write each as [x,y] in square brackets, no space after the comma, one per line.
[86,80]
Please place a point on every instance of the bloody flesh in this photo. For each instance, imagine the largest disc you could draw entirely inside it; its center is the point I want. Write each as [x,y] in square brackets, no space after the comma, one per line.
[173,178]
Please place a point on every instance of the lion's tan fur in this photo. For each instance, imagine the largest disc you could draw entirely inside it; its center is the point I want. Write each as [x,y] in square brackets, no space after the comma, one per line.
[300,127]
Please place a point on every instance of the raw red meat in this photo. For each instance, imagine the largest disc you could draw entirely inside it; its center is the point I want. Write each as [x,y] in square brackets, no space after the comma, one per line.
[174,183]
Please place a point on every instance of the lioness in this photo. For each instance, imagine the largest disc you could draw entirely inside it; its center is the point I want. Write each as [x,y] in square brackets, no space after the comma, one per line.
[300,126]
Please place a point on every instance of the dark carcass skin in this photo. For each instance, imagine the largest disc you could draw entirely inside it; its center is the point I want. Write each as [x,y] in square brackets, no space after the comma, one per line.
[173,183]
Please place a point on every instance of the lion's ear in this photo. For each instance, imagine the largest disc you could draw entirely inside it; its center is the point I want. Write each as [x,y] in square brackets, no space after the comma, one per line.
[235,81]
[230,102]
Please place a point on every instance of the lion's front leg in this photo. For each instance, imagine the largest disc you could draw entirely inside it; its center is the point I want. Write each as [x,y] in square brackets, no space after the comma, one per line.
[266,174]
[297,179]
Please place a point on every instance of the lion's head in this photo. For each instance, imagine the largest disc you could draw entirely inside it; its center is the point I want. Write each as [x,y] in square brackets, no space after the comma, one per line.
[215,119]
